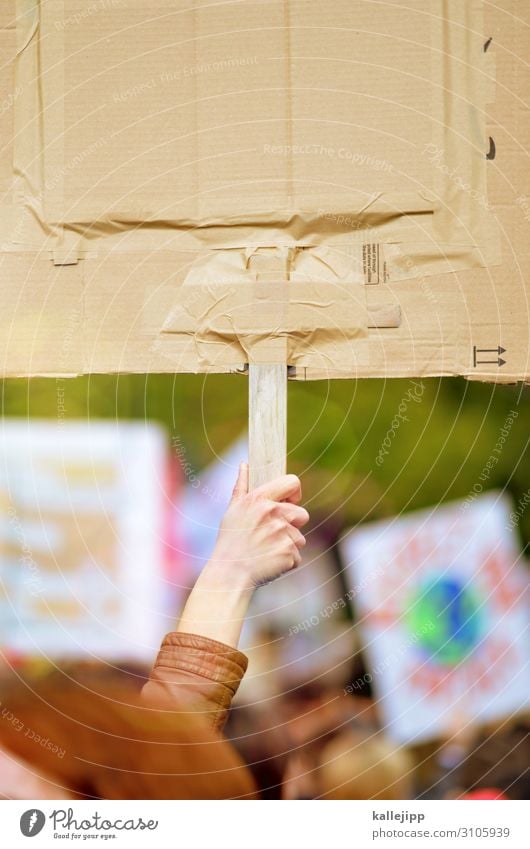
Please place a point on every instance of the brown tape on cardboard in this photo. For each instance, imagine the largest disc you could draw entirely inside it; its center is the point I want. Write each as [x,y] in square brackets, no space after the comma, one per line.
[233,320]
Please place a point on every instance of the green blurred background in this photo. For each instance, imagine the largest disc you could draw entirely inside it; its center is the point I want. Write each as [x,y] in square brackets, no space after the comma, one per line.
[336,430]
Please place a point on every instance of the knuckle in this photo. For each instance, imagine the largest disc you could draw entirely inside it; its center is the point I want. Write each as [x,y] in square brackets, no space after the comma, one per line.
[263,507]
[269,507]
[298,515]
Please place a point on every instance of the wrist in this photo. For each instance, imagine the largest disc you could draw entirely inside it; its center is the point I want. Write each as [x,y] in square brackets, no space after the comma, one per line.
[227,576]
[218,604]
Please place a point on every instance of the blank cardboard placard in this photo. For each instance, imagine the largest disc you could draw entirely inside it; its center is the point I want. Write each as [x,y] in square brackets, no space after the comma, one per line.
[147,144]
[439,596]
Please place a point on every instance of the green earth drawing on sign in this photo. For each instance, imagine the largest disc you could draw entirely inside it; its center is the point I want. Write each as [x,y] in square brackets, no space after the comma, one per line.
[445,619]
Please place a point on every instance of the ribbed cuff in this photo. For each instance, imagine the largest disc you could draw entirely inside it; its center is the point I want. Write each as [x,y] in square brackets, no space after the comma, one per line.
[203,656]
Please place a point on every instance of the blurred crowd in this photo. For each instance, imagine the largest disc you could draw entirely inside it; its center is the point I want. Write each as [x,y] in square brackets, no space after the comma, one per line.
[327,744]
[78,732]
[305,722]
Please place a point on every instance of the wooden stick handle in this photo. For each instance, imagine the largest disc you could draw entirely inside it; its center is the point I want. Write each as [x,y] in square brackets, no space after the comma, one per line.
[267,422]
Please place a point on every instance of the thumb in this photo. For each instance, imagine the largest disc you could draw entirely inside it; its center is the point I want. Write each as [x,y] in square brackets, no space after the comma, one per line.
[241,484]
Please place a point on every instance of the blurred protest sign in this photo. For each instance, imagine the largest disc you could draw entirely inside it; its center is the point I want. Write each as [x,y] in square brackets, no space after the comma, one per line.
[81,539]
[205,498]
[444,625]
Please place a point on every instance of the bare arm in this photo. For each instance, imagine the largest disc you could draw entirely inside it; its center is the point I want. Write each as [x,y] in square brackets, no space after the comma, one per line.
[198,665]
[259,540]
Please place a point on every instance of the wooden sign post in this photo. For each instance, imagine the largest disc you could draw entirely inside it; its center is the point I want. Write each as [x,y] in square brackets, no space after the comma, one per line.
[267,391]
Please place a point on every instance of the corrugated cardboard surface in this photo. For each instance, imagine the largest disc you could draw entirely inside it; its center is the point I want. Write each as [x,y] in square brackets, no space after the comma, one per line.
[150,153]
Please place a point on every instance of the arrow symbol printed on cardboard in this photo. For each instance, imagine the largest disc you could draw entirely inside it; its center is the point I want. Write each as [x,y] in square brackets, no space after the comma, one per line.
[498,350]
[498,362]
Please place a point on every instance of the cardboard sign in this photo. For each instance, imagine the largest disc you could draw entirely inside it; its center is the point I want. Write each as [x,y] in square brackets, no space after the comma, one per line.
[173,150]
[81,548]
[444,621]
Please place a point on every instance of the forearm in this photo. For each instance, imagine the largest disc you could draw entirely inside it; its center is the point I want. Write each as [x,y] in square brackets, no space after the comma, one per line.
[218,604]
[193,671]
[199,665]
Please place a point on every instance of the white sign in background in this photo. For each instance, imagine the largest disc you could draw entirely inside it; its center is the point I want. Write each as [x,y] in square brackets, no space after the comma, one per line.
[445,625]
[81,548]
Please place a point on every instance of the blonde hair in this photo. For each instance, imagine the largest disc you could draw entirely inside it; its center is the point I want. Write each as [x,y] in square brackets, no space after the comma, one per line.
[355,765]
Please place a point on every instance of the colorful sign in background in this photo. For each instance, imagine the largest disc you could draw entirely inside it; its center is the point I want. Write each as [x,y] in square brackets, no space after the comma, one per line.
[445,626]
